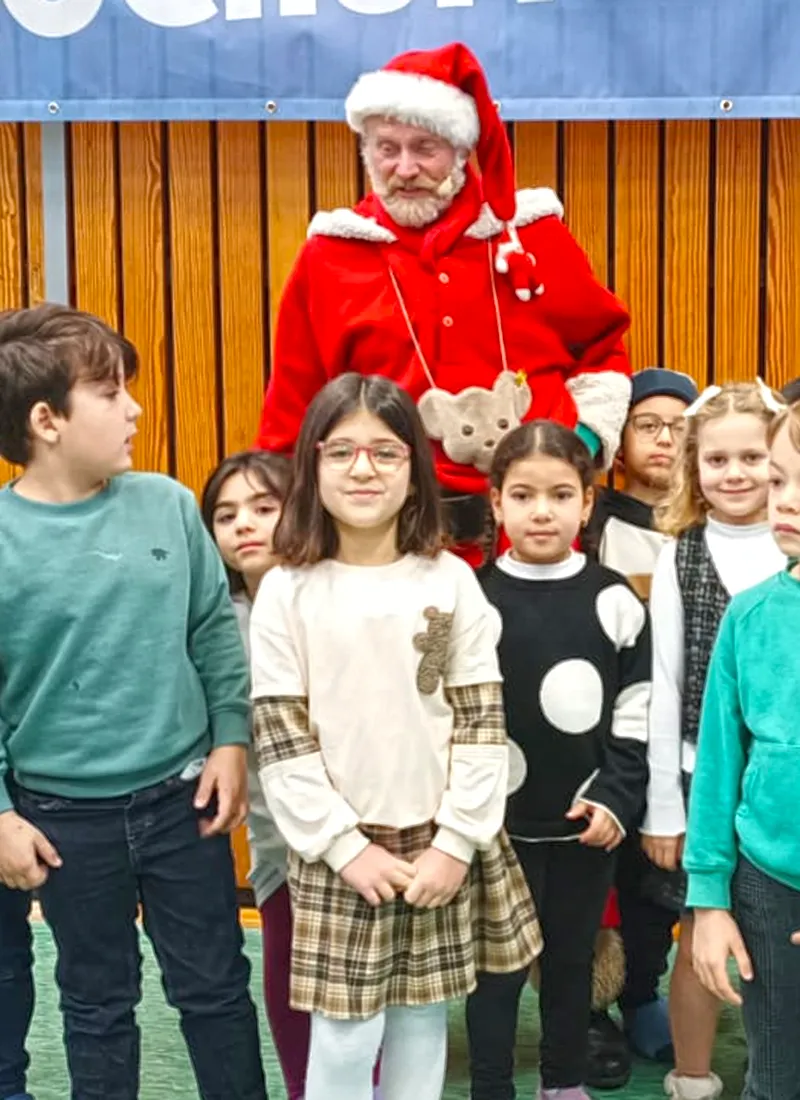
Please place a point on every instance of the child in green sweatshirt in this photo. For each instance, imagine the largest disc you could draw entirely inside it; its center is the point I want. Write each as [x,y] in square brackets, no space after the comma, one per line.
[123,715]
[743,842]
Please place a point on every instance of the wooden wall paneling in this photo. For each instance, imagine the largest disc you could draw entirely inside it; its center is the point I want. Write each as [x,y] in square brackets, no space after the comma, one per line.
[193,302]
[636,214]
[586,189]
[94,227]
[336,165]
[141,188]
[242,278]
[686,271]
[783,278]
[34,211]
[536,154]
[241,856]
[12,292]
[736,250]
[288,194]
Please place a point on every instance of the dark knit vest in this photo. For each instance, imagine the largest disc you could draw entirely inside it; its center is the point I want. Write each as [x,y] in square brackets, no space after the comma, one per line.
[705,599]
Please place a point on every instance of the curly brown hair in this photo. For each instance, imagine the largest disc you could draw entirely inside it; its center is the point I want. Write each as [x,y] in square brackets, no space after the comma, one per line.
[685,507]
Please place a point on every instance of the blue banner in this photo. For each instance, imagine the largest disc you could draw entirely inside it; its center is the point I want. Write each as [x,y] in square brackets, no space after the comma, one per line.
[296,59]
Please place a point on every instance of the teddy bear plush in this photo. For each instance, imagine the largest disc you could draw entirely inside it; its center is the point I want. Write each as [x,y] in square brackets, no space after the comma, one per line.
[471,423]
[432,644]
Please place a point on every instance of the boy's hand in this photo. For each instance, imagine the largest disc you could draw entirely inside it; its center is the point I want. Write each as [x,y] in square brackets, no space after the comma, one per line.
[224,775]
[377,875]
[796,939]
[437,881]
[26,855]
[716,936]
[603,831]
[665,851]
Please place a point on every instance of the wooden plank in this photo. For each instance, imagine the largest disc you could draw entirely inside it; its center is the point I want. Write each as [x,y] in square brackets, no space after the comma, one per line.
[95,220]
[142,223]
[287,189]
[12,292]
[241,278]
[241,856]
[536,154]
[34,209]
[636,236]
[736,269]
[686,251]
[336,159]
[783,293]
[193,312]
[586,189]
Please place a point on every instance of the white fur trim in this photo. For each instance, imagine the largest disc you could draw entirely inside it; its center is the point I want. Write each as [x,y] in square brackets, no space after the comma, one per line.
[602,399]
[346,223]
[532,203]
[416,100]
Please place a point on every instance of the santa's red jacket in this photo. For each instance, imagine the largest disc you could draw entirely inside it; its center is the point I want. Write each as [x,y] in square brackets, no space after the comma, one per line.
[340,312]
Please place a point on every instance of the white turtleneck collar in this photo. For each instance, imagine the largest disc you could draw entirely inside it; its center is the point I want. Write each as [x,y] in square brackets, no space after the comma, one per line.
[527,571]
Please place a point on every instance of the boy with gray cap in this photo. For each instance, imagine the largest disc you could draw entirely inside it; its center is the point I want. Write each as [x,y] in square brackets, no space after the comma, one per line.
[621,534]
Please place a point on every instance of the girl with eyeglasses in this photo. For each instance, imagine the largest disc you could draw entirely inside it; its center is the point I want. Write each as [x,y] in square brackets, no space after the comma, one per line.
[382,751]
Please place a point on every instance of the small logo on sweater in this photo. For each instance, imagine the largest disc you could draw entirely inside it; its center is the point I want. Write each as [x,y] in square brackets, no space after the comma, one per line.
[159,554]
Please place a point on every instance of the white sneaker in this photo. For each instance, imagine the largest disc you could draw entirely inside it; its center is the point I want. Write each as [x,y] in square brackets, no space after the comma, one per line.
[692,1088]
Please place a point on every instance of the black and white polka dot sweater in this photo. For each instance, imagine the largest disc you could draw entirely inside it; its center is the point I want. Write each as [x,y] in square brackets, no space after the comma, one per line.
[575,655]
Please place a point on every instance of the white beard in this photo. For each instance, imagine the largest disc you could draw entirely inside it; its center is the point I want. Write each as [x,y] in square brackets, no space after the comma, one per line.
[414,213]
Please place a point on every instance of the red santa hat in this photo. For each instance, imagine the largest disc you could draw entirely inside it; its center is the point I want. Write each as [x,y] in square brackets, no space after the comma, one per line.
[444,91]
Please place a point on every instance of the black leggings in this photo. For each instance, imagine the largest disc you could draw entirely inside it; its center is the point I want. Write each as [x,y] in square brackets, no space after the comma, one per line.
[569,883]
[646,926]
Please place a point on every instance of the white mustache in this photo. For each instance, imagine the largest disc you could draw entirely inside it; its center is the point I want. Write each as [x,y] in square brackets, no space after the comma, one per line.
[444,190]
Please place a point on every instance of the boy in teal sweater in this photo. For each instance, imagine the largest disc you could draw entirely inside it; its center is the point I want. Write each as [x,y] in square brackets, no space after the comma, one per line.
[123,715]
[743,842]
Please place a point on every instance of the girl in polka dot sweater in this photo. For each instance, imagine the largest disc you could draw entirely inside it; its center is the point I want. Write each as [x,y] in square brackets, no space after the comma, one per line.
[576,664]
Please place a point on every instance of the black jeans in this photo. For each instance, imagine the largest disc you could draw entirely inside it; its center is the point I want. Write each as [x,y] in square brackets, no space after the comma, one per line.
[569,883]
[646,927]
[146,848]
[767,913]
[16,989]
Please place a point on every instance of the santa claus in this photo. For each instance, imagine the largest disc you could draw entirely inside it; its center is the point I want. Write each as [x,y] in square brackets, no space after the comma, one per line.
[471,295]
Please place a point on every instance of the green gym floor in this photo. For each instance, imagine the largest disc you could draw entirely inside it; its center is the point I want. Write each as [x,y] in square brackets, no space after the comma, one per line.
[165,1066]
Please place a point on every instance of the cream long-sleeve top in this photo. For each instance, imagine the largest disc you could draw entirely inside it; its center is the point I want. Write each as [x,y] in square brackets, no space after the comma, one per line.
[356,678]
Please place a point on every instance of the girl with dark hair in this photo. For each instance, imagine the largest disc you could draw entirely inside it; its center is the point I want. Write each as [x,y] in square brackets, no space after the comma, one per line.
[241,504]
[382,751]
[575,660]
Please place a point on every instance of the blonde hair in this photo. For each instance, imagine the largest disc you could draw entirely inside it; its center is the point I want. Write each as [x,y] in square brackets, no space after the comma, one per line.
[685,506]
[790,417]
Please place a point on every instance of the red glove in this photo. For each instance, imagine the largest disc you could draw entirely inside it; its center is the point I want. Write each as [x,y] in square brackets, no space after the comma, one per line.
[511,259]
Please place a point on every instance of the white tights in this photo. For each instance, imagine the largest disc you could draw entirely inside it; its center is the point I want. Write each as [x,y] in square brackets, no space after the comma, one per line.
[344,1052]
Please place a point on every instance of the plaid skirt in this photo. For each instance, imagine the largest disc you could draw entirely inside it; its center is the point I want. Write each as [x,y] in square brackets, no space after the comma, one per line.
[350,960]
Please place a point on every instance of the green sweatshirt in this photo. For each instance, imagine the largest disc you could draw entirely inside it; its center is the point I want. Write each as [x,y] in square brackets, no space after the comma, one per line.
[747,778]
[121,659]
